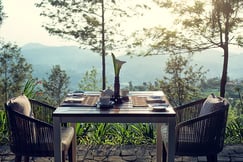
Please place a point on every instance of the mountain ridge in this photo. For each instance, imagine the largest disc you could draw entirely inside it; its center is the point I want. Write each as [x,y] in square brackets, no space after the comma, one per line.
[76,62]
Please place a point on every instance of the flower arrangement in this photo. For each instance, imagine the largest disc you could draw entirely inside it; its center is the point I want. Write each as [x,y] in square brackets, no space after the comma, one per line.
[117,67]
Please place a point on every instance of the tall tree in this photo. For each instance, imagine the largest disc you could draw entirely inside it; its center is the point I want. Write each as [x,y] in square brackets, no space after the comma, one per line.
[94,24]
[199,25]
[56,86]
[14,71]
[182,80]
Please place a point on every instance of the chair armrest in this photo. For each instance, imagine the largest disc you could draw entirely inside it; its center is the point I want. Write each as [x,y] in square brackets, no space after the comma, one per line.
[188,111]
[29,134]
[209,128]
[42,111]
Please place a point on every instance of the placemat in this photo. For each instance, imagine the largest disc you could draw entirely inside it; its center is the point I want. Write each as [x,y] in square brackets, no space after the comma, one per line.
[82,101]
[90,100]
[139,101]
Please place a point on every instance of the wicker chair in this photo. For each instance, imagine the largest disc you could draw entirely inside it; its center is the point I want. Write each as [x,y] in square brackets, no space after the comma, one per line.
[33,137]
[199,135]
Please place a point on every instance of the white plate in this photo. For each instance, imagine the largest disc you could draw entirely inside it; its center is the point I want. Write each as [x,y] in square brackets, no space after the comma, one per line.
[159,106]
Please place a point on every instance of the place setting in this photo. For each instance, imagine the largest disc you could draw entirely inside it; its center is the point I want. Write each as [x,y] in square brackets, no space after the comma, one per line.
[158,106]
[105,102]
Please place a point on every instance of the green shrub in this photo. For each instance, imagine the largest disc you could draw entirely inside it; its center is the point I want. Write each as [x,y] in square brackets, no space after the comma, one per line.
[234,128]
[115,133]
[3,128]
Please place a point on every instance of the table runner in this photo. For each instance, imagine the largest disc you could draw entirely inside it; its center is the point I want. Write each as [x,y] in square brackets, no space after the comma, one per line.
[136,101]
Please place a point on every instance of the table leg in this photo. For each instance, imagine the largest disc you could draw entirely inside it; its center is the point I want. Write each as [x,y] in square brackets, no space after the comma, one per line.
[171,140]
[57,139]
[159,143]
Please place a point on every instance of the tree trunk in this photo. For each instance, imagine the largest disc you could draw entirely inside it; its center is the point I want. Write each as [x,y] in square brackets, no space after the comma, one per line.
[224,73]
[226,57]
[103,48]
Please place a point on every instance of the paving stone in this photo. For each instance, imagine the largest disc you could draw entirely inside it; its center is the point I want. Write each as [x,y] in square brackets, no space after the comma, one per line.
[236,159]
[145,159]
[100,158]
[88,161]
[115,158]
[220,159]
[115,151]
[129,158]
[89,155]
[126,153]
[186,159]
[223,159]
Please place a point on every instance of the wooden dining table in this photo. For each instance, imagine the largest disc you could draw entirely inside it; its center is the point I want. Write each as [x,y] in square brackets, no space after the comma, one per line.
[137,107]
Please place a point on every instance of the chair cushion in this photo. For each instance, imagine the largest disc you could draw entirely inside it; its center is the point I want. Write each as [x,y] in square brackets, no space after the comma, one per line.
[164,132]
[67,134]
[21,104]
[212,103]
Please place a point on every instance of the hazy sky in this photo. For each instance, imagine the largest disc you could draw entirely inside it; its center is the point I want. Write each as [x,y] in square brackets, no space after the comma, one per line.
[23,24]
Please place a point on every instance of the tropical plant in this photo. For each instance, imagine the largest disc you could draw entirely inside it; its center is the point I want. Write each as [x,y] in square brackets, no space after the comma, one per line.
[31,89]
[234,131]
[115,133]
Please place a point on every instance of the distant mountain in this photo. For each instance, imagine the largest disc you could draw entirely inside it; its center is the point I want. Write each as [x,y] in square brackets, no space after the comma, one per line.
[76,62]
[73,60]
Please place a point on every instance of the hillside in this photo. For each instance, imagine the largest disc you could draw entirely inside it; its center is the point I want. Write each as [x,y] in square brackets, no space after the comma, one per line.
[137,69]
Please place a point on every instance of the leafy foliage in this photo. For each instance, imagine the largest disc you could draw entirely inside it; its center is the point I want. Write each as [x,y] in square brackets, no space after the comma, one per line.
[82,21]
[115,133]
[141,133]
[3,128]
[14,70]
[2,14]
[56,87]
[182,81]
[92,24]
[234,129]
[89,81]
[199,25]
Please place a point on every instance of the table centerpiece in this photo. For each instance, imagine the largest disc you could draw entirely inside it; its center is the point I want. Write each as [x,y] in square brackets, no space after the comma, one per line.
[117,67]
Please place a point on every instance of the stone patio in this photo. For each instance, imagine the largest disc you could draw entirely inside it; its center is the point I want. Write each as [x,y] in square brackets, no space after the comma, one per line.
[129,153]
